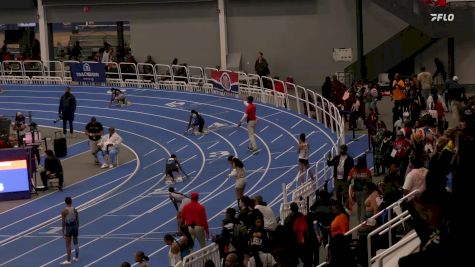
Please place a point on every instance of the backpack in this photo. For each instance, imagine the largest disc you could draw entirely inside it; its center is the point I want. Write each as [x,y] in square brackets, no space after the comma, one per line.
[301,229]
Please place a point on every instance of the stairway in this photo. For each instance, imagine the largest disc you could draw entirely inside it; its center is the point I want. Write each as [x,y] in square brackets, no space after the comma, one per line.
[417,14]
[402,46]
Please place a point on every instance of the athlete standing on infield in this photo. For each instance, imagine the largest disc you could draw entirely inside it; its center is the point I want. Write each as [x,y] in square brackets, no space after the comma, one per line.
[70,229]
[250,116]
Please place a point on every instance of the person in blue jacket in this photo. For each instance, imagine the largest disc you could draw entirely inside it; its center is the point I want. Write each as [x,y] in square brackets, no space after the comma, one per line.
[67,108]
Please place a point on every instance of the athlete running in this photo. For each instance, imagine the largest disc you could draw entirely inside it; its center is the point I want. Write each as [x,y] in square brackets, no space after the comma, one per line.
[196,120]
[240,174]
[70,229]
[303,151]
[173,165]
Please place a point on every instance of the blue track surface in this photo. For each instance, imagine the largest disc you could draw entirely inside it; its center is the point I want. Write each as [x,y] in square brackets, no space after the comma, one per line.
[138,214]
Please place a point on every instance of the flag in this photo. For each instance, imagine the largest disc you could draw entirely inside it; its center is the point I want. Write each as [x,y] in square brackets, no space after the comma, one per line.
[225,81]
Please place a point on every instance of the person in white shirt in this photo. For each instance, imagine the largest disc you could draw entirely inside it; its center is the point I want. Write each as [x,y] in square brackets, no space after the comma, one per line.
[238,171]
[303,150]
[109,145]
[416,178]
[424,80]
[106,55]
[270,222]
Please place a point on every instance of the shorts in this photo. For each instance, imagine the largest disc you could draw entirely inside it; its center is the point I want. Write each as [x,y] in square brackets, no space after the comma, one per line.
[304,162]
[71,230]
[170,169]
[241,183]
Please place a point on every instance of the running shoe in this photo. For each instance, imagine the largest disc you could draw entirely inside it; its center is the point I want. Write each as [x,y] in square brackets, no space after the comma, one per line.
[66,262]
[104,166]
[75,259]
[179,179]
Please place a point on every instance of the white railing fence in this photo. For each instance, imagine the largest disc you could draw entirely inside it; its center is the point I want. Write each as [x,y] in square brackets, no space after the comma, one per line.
[199,257]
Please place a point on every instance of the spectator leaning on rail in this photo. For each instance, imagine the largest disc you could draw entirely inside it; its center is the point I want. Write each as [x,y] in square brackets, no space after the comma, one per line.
[194,217]
[67,108]
[109,146]
[94,131]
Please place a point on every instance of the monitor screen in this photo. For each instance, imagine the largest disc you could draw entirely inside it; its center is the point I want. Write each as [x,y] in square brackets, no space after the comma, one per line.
[14,176]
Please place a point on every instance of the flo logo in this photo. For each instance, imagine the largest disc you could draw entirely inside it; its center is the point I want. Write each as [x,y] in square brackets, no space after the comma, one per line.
[436,17]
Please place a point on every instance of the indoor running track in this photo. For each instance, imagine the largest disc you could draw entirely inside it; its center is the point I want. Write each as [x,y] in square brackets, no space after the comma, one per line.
[126,209]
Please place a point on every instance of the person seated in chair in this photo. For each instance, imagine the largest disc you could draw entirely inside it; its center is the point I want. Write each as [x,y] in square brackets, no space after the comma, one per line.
[109,146]
[52,170]
[19,126]
[118,97]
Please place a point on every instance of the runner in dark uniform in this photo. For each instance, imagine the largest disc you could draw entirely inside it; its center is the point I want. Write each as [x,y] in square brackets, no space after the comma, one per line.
[70,229]
[173,165]
[196,120]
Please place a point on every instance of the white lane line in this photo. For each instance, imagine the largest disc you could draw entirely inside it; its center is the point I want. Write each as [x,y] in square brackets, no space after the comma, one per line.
[252,154]
[277,168]
[201,137]
[263,129]
[150,152]
[188,159]
[281,154]
[232,133]
[213,145]
[310,134]
[171,140]
[185,146]
[267,116]
[277,138]
[245,141]
[295,125]
[150,165]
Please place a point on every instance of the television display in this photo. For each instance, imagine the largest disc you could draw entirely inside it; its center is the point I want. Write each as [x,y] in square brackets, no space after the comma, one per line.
[14,176]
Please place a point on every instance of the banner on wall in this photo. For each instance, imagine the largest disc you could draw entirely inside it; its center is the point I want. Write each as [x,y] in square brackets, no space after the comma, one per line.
[225,81]
[88,72]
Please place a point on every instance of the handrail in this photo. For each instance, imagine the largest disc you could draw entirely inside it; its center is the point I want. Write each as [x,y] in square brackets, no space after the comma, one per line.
[407,239]
[374,217]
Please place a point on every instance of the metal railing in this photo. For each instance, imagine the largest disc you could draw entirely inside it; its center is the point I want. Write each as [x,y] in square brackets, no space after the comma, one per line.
[199,257]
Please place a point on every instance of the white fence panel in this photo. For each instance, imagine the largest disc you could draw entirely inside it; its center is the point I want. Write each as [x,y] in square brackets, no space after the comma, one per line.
[198,258]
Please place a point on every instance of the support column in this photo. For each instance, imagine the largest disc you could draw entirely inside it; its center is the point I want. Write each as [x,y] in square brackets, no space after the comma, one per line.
[120,39]
[223,34]
[361,73]
[451,57]
[43,32]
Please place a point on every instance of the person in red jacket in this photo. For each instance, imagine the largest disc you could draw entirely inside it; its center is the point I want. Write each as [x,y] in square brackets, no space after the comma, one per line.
[194,216]
[250,116]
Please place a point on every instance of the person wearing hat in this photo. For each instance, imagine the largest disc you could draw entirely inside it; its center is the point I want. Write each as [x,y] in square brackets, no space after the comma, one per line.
[193,215]
[251,118]
[342,165]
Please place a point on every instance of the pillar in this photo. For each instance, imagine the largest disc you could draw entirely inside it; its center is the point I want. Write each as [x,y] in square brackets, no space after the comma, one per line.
[451,57]
[120,39]
[361,70]
[43,32]
[223,35]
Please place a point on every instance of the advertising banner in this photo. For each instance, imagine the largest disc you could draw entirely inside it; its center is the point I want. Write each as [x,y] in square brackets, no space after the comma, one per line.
[88,72]
[225,81]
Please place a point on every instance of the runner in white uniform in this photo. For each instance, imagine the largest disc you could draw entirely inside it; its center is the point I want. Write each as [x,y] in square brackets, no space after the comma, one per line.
[240,174]
[303,151]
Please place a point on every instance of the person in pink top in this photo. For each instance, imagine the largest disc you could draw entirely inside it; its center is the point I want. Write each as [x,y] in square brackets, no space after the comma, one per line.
[194,216]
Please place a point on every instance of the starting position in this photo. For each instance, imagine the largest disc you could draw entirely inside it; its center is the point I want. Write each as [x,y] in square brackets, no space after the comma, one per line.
[196,120]
[173,165]
[70,230]
[118,97]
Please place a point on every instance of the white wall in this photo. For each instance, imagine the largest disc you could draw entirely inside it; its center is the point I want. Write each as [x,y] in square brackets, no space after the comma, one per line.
[426,58]
[464,59]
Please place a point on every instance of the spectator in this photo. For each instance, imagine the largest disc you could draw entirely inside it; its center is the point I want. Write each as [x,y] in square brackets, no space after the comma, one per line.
[304,239]
[247,212]
[4,47]
[374,93]
[327,89]
[440,69]
[52,169]
[294,214]
[35,50]
[401,151]
[440,165]
[378,155]
[125,264]
[233,237]
[341,224]
[416,178]
[424,80]
[259,242]
[338,91]
[194,217]
[109,146]
[261,66]
[209,263]
[67,108]
[373,199]
[438,108]
[94,131]
[270,222]
[278,85]
[232,260]
[456,94]
[359,176]
[398,95]
[342,165]
[106,55]
[340,253]
[141,259]
[76,51]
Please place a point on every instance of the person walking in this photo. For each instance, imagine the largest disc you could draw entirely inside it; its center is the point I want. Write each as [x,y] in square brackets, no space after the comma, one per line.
[94,131]
[238,171]
[67,108]
[194,217]
[303,150]
[251,118]
[359,176]
[70,230]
